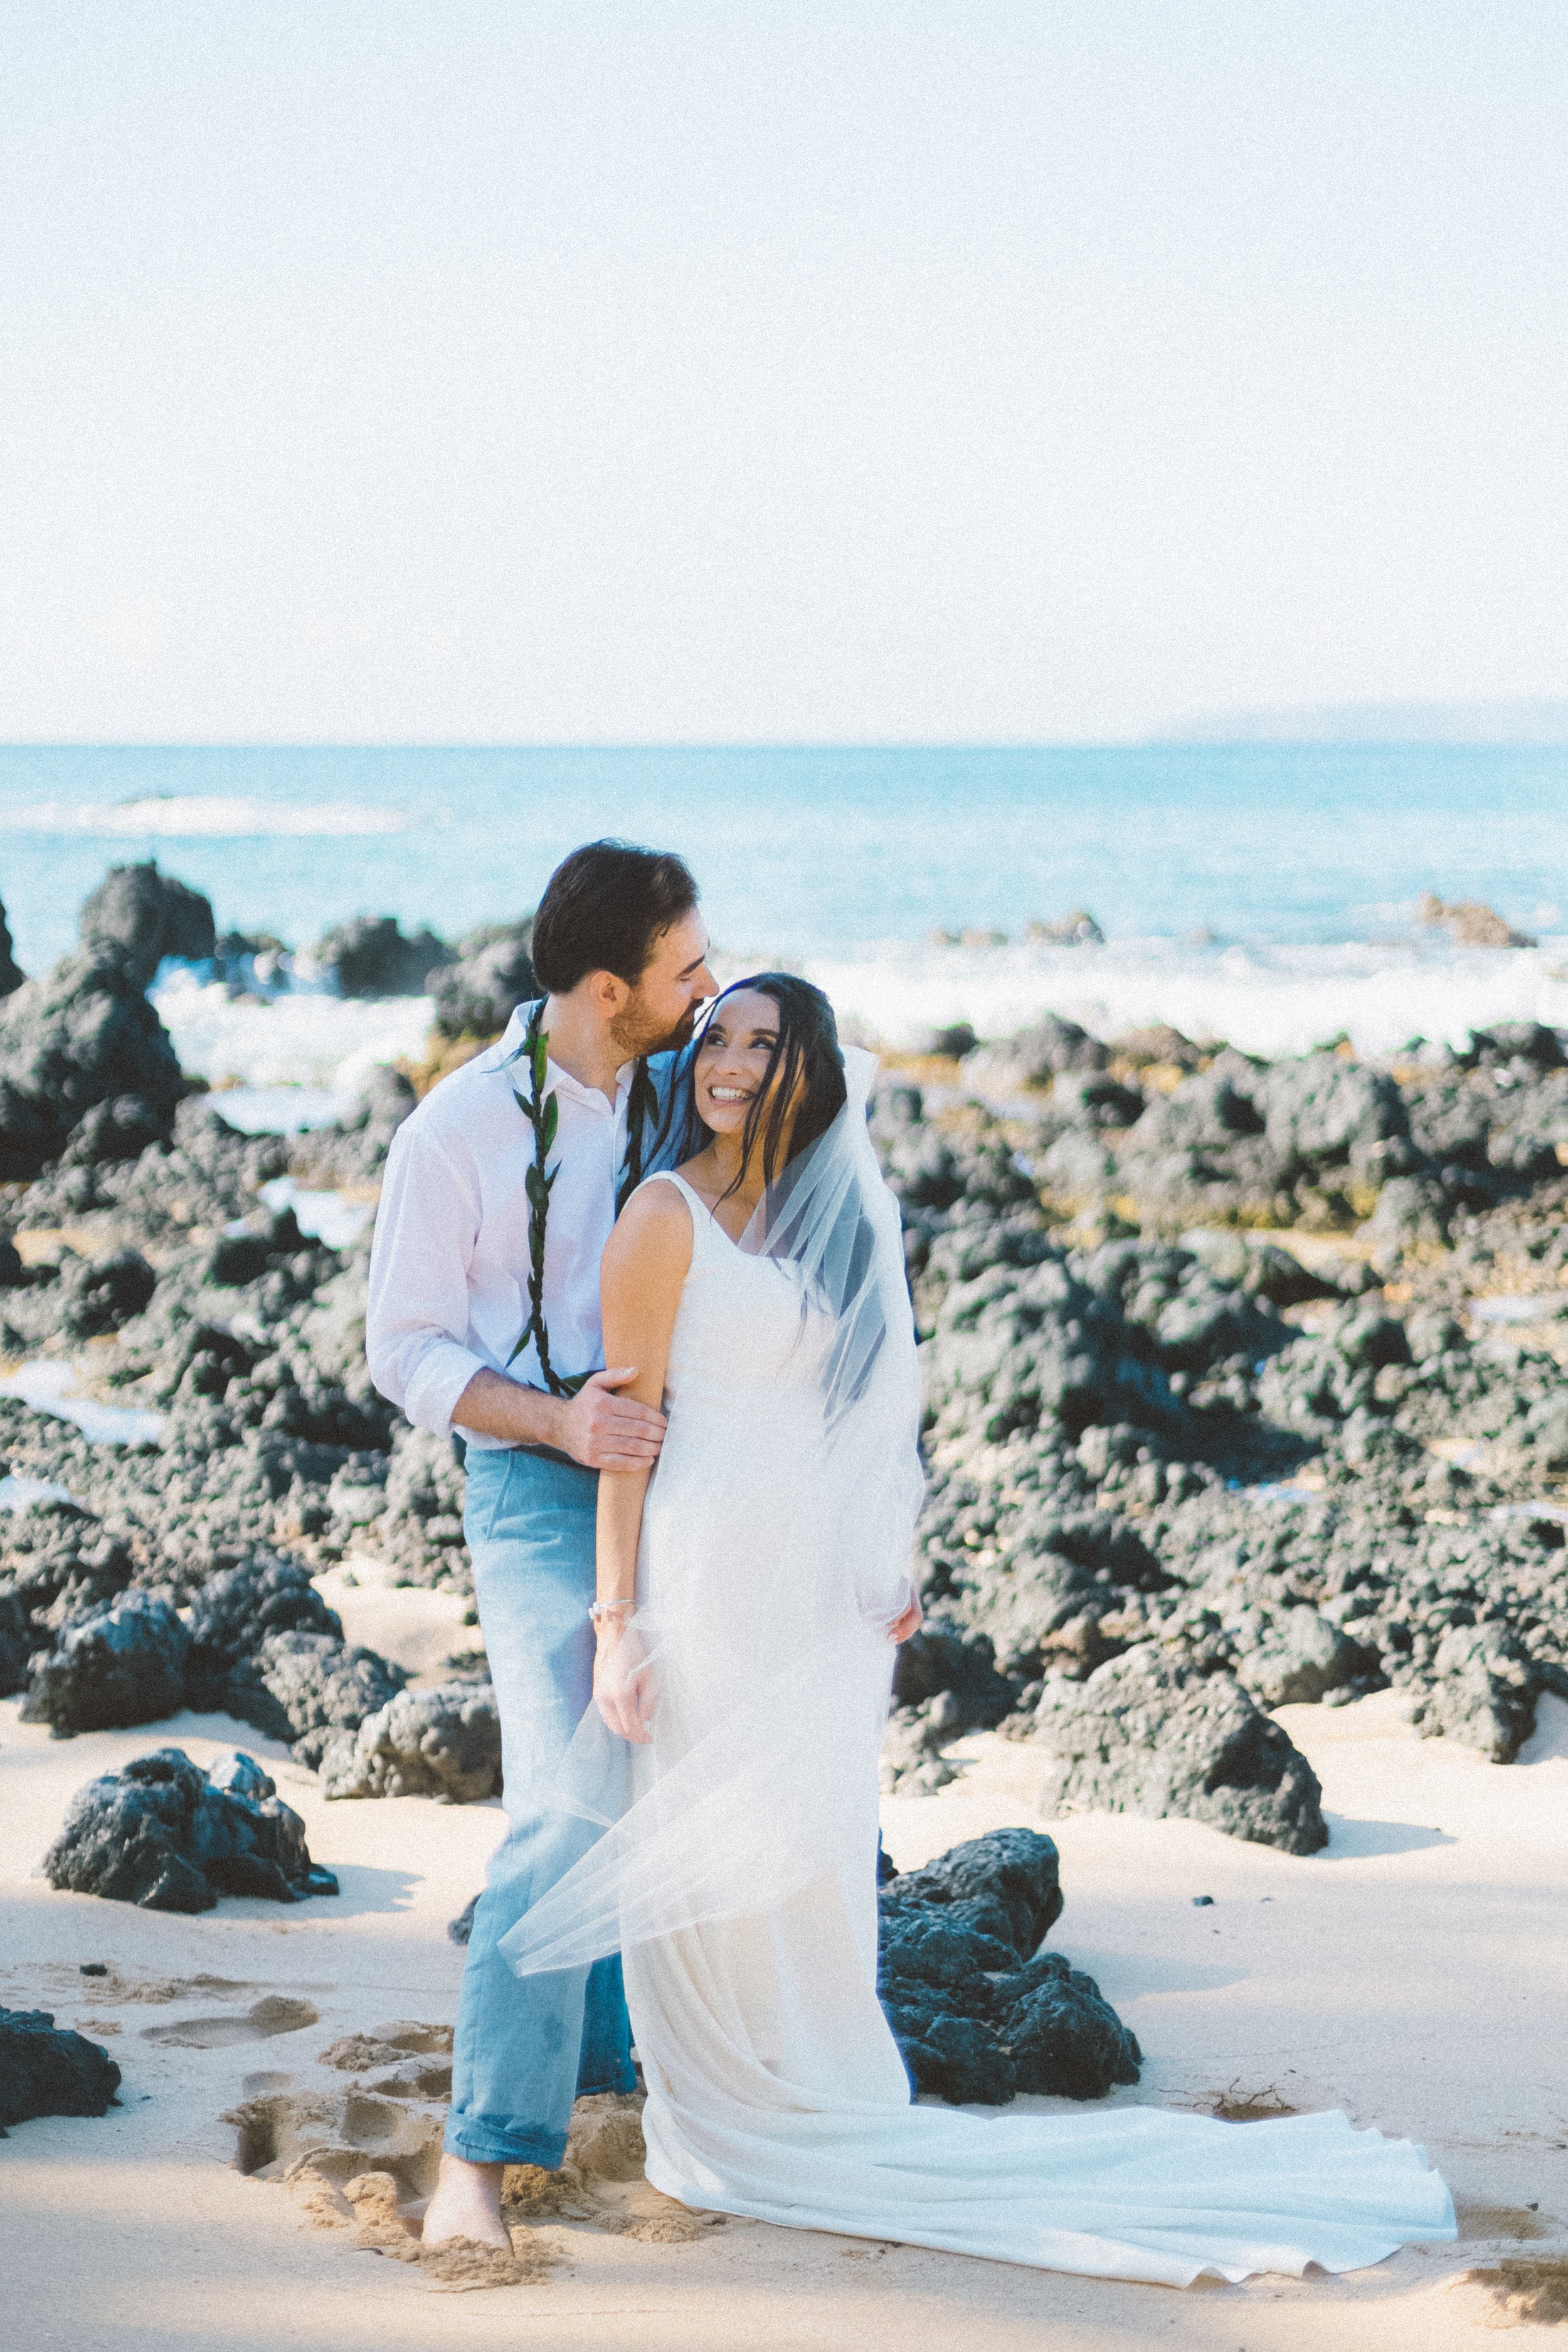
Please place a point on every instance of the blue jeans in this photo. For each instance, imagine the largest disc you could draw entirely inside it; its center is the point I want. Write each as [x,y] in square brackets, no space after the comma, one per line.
[527,2046]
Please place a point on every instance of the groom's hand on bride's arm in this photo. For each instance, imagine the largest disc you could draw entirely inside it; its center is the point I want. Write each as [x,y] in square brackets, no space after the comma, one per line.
[596,1427]
[606,1432]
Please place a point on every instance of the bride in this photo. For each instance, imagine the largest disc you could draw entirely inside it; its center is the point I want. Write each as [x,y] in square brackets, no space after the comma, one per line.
[750,1593]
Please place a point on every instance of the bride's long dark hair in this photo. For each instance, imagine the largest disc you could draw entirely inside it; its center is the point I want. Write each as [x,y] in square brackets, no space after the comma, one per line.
[806,1054]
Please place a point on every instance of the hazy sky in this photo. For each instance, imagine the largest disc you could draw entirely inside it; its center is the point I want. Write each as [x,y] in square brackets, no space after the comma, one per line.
[779,370]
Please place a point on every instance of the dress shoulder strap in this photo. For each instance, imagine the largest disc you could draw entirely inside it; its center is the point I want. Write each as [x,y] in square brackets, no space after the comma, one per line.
[702,1216]
[669,1176]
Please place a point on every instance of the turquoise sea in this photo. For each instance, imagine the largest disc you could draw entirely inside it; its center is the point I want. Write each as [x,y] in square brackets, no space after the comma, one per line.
[806,852]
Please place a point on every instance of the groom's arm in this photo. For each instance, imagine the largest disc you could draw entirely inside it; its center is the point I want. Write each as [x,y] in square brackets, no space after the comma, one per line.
[596,1427]
[418,1310]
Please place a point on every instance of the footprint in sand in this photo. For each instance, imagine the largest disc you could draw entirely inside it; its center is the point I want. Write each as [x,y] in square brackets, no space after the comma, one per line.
[365,2157]
[276,2013]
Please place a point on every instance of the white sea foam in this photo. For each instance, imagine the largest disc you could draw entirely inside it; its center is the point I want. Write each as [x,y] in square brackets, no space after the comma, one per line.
[189,817]
[19,1494]
[305,1040]
[49,1385]
[1269,1000]
[325,1216]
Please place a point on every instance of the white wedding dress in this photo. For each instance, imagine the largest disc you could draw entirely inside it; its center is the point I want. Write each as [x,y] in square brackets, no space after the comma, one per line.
[738,1872]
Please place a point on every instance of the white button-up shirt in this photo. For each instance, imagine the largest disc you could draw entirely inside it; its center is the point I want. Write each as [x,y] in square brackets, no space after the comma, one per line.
[449,1268]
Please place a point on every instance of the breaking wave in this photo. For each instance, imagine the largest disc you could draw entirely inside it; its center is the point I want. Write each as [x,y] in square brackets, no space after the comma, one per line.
[192,817]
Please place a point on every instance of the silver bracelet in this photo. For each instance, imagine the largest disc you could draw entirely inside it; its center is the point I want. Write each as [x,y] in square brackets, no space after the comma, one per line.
[607,1609]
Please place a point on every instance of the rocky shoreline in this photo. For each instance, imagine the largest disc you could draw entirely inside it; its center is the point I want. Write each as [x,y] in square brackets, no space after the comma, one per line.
[1242,1385]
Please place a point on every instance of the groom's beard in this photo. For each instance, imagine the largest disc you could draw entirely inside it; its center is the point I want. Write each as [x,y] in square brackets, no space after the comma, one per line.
[634,1033]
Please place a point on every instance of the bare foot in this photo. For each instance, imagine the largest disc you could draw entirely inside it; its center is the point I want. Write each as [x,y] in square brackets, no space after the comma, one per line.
[467,2204]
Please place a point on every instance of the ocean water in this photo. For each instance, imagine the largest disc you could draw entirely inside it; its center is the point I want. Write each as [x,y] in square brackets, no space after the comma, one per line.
[1261,893]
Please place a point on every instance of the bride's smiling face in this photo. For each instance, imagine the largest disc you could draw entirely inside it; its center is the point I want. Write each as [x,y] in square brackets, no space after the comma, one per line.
[732,1059]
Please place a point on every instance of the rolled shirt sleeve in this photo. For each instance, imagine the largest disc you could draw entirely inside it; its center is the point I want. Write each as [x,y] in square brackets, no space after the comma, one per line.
[416,1312]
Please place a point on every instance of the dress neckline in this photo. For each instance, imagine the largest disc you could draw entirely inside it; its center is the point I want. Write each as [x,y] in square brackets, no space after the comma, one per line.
[674,1177]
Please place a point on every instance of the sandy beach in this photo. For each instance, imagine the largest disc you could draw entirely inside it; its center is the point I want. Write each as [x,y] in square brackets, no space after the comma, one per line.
[1411,1974]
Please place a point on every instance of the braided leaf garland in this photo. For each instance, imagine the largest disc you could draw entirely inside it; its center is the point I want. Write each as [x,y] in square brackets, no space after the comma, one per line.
[542,1114]
[644,1102]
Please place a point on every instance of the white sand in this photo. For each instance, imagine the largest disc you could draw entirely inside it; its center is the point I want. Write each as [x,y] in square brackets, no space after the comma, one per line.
[1414,1974]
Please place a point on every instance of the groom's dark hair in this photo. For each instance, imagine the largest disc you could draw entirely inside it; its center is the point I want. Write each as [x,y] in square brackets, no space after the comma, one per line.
[604,909]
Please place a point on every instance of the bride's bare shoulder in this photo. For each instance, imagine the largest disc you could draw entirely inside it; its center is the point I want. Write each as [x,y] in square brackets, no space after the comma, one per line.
[653,1229]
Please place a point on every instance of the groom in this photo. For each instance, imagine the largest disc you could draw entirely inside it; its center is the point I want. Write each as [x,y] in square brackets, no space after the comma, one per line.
[462,1268]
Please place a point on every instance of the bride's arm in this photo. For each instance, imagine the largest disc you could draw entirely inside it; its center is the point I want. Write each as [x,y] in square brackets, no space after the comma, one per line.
[645,1264]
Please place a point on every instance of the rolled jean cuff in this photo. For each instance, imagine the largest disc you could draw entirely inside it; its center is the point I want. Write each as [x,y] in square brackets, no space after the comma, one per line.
[480,2141]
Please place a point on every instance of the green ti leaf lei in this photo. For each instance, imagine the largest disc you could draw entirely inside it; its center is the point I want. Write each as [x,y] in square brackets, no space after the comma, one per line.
[540,1108]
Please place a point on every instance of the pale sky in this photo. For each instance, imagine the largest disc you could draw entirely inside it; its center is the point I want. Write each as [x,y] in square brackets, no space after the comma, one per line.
[775,371]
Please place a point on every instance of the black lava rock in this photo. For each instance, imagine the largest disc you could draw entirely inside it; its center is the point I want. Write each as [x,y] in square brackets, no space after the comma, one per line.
[62,1565]
[82,1036]
[461,1929]
[165,1835]
[99,1294]
[43,2071]
[493,974]
[301,1687]
[1052,1046]
[372,957]
[117,1130]
[234,1615]
[16,1642]
[980,2013]
[442,1743]
[122,1665]
[1153,1733]
[11,974]
[354,1150]
[137,916]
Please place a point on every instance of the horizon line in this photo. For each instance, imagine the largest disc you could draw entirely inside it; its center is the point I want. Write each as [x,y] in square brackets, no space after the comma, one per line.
[1185,743]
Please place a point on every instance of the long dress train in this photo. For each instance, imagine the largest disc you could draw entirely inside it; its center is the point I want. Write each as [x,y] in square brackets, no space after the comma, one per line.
[737,1866]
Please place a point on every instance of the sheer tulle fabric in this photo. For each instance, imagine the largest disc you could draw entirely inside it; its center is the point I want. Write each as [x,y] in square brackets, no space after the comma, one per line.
[736,1870]
[775,1552]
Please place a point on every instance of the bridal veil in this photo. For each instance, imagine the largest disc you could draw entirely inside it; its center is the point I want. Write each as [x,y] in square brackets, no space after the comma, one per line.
[763,1606]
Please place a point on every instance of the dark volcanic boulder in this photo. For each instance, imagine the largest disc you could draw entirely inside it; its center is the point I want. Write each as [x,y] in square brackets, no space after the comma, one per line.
[1015,1871]
[494,973]
[980,2013]
[1411,1211]
[1244,1136]
[97,1295]
[82,1036]
[122,1665]
[1152,1733]
[118,1129]
[1047,1050]
[354,1150]
[461,1929]
[303,1687]
[16,1642]
[46,2072]
[234,1615]
[165,1835]
[1053,1045]
[1019,1347]
[62,1564]
[11,973]
[1297,1658]
[443,1743]
[1483,1692]
[137,916]
[945,1683]
[372,957]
